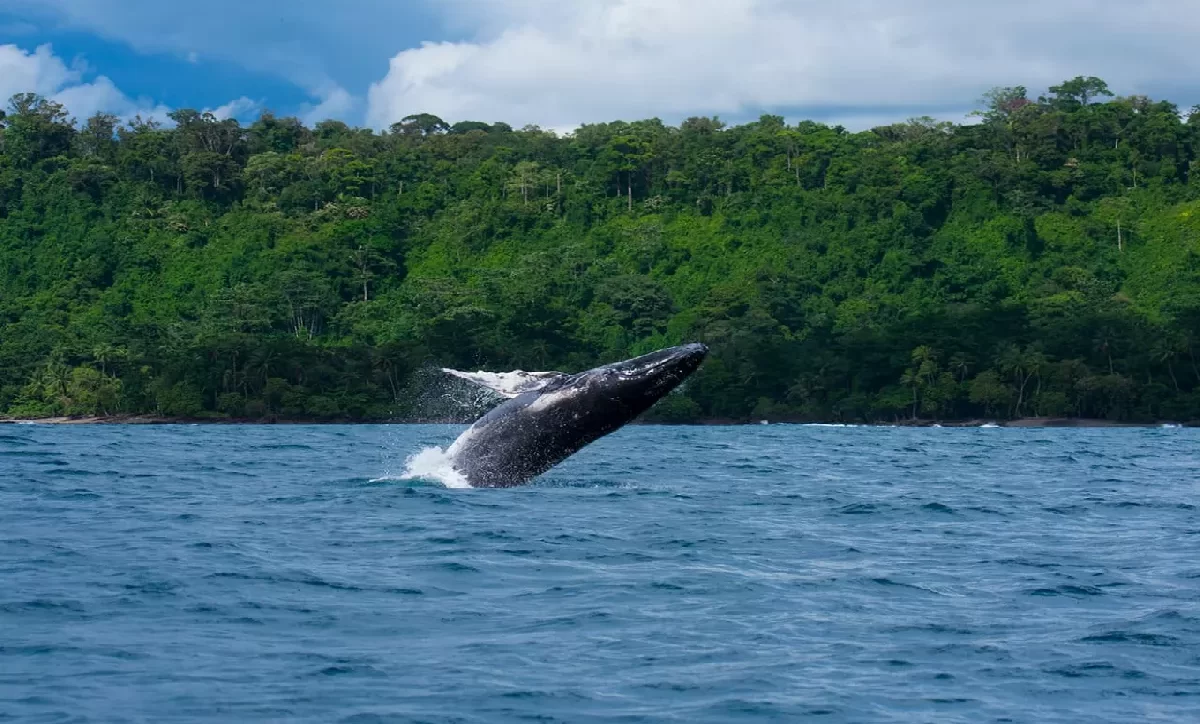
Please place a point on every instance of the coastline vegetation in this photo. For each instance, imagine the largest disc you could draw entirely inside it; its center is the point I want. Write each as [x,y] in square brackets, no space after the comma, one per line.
[1043,261]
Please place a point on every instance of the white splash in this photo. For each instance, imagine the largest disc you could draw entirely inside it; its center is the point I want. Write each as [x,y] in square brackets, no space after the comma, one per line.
[431,464]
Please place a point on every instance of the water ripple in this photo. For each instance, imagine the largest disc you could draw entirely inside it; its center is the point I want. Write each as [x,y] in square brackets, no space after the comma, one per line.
[766,573]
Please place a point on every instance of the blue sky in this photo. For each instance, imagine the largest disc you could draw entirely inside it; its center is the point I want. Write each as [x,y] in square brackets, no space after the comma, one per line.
[557,64]
[165,77]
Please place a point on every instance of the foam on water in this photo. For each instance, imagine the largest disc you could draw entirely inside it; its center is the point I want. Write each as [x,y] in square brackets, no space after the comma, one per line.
[432,464]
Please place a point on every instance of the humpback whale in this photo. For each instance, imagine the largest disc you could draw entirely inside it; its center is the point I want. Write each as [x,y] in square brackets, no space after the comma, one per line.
[549,416]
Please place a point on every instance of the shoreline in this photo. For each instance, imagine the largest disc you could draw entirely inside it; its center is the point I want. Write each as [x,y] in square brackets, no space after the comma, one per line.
[1024,422]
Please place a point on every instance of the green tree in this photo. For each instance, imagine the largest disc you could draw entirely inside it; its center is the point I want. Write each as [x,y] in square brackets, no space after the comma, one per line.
[1042,261]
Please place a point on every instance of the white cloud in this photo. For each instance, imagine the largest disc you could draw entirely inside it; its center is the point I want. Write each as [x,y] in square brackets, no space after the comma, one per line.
[86,99]
[238,108]
[39,72]
[558,64]
[306,43]
[44,73]
[336,102]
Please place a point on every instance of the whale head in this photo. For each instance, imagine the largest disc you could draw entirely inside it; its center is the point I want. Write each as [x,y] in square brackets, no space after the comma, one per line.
[628,388]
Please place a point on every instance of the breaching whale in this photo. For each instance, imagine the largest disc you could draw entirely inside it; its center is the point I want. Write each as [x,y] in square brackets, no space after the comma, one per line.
[550,415]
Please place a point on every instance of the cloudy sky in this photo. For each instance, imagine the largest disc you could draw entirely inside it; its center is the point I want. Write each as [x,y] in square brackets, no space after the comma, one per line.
[558,63]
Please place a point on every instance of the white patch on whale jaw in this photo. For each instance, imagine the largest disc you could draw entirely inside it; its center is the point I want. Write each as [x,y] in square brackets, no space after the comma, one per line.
[550,399]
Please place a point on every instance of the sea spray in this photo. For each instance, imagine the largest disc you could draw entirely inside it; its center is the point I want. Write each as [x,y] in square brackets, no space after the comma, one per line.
[433,463]
[433,395]
[429,464]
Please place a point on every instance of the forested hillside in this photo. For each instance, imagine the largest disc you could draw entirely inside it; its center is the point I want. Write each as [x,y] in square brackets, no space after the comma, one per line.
[1044,261]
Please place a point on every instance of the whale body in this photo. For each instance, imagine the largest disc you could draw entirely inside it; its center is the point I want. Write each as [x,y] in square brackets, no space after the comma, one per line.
[549,416]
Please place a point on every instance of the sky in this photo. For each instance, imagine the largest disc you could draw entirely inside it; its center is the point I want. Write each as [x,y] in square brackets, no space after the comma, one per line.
[560,63]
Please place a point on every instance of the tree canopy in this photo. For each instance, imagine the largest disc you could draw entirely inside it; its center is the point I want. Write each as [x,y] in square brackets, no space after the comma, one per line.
[1042,261]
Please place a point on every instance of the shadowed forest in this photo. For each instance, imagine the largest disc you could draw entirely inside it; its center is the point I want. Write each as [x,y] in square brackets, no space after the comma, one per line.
[1044,261]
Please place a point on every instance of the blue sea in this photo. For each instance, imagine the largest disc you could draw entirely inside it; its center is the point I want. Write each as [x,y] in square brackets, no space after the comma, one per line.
[663,574]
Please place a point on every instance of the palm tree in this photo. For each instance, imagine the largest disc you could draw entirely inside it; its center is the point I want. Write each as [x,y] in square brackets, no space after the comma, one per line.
[1021,365]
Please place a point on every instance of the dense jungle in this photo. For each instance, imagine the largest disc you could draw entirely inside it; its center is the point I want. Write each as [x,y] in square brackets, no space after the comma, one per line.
[1042,259]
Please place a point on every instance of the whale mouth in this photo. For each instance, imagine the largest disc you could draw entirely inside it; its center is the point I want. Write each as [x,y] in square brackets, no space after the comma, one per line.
[684,357]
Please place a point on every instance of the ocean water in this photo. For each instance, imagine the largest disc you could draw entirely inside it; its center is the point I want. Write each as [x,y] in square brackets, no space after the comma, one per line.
[673,574]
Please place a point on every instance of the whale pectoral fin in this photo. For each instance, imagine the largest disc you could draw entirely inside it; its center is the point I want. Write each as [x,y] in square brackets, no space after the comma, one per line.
[508,384]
